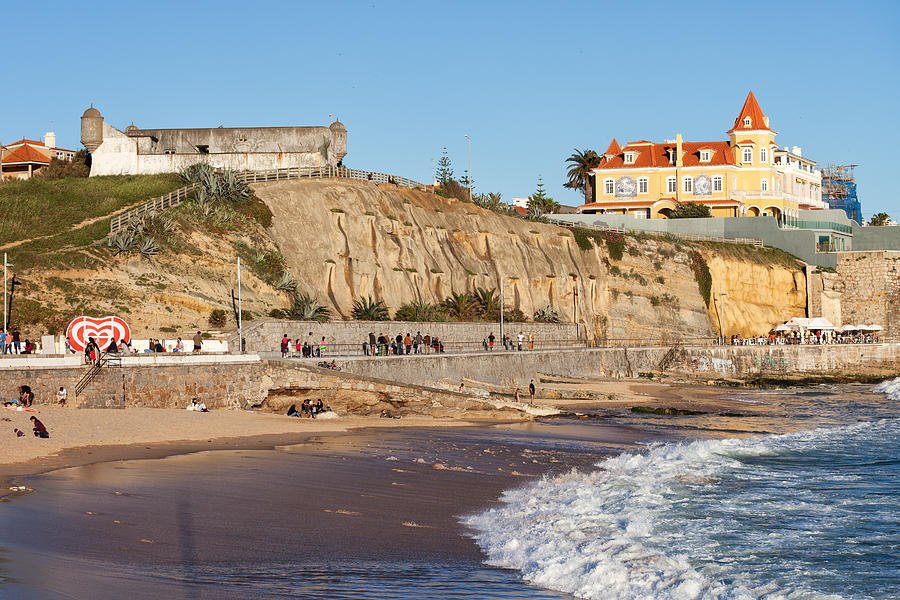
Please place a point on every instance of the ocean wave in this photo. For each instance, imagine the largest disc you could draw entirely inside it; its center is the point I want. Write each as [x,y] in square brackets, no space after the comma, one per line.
[681,521]
[890,388]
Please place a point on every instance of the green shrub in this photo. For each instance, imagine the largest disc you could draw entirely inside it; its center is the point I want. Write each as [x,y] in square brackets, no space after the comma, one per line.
[582,238]
[615,244]
[369,309]
[701,274]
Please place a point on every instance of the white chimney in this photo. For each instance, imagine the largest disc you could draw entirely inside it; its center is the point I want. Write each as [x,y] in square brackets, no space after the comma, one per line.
[50,139]
[797,150]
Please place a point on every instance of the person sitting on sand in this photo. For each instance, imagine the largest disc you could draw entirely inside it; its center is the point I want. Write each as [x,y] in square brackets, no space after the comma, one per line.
[26,396]
[305,408]
[197,406]
[292,411]
[38,428]
[62,394]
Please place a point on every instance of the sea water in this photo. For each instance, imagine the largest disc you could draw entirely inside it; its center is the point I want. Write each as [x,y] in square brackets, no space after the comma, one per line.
[811,514]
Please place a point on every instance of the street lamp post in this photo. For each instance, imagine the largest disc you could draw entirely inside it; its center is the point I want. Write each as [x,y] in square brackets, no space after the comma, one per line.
[240,309]
[5,265]
[722,296]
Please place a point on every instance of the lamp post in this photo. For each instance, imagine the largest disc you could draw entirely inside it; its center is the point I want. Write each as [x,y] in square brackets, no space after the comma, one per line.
[469,164]
[502,307]
[722,296]
[5,265]
[240,309]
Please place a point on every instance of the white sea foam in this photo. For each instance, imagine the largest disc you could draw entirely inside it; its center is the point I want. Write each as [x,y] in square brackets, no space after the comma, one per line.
[891,388]
[609,533]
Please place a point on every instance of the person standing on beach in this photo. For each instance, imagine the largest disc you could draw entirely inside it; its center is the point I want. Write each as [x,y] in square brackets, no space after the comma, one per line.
[531,390]
[517,395]
[198,341]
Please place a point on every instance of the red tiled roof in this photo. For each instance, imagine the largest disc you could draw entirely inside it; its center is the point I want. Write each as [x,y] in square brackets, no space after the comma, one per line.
[742,142]
[521,210]
[24,141]
[26,154]
[657,155]
[614,148]
[750,109]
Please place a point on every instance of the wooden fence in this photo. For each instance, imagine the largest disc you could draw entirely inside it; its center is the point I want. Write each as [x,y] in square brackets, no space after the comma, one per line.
[173,199]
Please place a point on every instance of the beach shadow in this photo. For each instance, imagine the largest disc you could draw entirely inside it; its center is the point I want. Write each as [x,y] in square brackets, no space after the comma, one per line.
[184,517]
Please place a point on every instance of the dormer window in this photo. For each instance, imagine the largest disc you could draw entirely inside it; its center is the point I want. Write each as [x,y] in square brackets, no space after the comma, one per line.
[748,121]
[704,155]
[630,157]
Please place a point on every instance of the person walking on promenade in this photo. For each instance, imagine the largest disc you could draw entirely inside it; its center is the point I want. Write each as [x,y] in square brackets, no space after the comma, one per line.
[427,340]
[3,342]
[531,390]
[417,343]
[530,341]
[491,339]
[407,343]
[285,346]
[373,347]
[16,339]
[519,339]
[198,342]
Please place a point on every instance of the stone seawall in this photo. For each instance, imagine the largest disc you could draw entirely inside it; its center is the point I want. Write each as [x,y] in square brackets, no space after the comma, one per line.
[516,369]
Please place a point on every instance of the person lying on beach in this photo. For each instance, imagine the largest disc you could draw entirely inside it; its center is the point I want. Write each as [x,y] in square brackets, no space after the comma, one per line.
[38,428]
[292,411]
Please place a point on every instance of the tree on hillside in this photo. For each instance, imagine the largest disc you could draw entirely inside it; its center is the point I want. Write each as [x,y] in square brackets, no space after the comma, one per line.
[879,220]
[580,173]
[79,166]
[691,210]
[539,203]
[444,171]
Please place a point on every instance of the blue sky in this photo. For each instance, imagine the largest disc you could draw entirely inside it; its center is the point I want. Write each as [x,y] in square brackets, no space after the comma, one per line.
[528,81]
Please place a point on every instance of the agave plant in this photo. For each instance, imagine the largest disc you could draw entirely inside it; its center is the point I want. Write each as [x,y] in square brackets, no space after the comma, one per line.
[304,308]
[369,309]
[286,283]
[460,306]
[546,314]
[149,247]
[215,185]
[121,243]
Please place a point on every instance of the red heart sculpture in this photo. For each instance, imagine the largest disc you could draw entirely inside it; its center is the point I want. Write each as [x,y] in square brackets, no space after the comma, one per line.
[102,329]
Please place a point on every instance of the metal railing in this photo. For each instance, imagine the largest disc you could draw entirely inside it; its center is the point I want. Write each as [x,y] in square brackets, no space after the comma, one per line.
[173,199]
[105,360]
[682,236]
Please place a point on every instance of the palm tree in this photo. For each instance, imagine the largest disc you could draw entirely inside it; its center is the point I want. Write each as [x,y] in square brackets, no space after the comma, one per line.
[879,220]
[305,308]
[488,303]
[460,306]
[420,310]
[581,166]
[368,309]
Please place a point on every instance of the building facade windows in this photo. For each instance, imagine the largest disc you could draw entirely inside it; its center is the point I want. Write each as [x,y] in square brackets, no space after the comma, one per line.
[687,184]
[747,155]
[671,185]
[717,183]
[763,155]
[629,158]
[704,156]
[764,185]
[608,186]
[643,185]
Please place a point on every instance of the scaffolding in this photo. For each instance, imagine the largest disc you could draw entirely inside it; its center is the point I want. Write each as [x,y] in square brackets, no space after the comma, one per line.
[839,190]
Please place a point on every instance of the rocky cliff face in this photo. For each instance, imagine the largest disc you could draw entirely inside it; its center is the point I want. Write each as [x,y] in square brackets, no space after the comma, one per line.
[758,296]
[343,240]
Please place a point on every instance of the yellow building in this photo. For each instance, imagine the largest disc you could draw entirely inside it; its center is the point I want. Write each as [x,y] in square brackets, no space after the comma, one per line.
[737,177]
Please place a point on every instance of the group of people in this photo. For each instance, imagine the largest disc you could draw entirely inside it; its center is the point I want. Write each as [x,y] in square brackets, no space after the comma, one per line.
[807,337]
[384,345]
[92,350]
[308,408]
[308,348]
[521,343]
[25,401]
[11,342]
[37,428]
